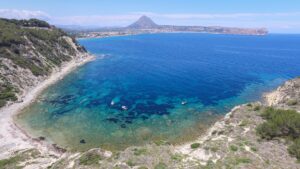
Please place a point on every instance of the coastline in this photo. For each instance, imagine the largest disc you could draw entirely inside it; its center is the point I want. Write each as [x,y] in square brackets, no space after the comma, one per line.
[214,145]
[149,33]
[13,138]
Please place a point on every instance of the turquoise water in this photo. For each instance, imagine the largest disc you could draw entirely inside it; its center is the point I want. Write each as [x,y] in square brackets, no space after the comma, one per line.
[148,88]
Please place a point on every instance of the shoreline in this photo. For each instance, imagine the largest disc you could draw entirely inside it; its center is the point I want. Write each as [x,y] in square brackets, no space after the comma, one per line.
[149,33]
[14,138]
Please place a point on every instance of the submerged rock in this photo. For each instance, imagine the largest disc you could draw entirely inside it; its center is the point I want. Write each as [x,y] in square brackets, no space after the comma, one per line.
[82,141]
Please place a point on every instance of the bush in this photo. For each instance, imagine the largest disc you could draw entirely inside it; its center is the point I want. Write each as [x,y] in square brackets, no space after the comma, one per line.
[233,148]
[195,145]
[282,124]
[256,108]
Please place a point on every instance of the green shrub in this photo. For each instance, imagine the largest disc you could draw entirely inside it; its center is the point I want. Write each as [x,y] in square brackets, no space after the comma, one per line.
[256,108]
[130,163]
[195,145]
[282,124]
[253,149]
[233,148]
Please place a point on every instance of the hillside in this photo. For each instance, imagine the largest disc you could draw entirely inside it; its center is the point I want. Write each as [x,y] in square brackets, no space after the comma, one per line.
[30,50]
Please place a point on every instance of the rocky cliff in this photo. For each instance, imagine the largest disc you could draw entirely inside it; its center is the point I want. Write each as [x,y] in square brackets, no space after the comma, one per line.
[30,50]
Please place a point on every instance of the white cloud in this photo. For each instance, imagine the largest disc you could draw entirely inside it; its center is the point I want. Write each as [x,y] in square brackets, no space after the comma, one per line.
[22,14]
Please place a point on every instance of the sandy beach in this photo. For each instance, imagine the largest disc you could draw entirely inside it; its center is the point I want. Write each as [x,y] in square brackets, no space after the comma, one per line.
[13,138]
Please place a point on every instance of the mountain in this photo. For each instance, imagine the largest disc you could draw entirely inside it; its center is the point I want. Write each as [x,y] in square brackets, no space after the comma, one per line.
[30,50]
[143,22]
[145,25]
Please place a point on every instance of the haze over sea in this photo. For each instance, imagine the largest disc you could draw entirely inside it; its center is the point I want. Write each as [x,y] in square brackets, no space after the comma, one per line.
[154,87]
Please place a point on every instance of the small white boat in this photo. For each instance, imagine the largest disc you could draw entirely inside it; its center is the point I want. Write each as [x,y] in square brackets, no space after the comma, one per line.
[184,102]
[112,103]
[124,108]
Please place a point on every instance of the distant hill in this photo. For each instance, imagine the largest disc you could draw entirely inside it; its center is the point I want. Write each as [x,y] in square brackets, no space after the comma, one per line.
[143,22]
[146,25]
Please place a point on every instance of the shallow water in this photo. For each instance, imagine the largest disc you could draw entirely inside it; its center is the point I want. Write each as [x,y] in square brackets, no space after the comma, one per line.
[170,86]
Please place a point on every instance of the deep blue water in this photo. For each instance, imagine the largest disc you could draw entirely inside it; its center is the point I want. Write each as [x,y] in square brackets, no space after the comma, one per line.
[153,75]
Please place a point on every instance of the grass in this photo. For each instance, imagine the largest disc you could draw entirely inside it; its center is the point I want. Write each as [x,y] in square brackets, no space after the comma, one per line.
[176,157]
[12,163]
[160,166]
[195,145]
[161,142]
[90,159]
[140,151]
[242,161]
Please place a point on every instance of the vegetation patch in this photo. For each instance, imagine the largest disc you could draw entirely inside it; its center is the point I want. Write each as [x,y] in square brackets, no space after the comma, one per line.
[256,108]
[282,124]
[91,158]
[195,145]
[12,163]
[160,166]
[233,148]
[176,157]
[244,123]
[242,161]
[130,163]
[139,151]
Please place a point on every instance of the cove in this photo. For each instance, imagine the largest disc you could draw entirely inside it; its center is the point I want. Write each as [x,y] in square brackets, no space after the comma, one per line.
[158,87]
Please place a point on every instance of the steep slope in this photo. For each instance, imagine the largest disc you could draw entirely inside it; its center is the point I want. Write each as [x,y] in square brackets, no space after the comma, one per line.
[30,50]
[143,22]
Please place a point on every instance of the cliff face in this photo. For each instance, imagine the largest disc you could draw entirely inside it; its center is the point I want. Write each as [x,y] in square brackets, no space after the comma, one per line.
[30,50]
[286,96]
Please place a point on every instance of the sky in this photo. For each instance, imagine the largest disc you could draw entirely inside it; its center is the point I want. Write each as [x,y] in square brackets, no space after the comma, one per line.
[278,16]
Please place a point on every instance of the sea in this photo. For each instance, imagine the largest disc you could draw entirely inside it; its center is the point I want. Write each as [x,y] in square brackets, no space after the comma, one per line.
[155,88]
